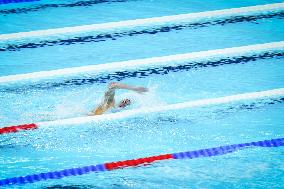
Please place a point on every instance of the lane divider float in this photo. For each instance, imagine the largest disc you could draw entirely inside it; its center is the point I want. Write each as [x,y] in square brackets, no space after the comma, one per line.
[171,60]
[208,152]
[15,1]
[190,17]
[17,128]
[78,121]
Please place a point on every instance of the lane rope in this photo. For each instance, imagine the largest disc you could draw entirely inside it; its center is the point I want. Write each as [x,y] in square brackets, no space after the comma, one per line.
[78,121]
[147,21]
[170,60]
[208,152]
[15,1]
[17,128]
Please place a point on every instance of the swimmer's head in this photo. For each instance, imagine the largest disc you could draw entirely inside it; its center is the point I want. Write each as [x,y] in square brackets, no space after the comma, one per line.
[124,103]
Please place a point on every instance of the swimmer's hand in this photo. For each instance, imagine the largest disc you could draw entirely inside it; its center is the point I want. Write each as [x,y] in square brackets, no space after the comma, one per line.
[141,89]
[116,85]
[91,114]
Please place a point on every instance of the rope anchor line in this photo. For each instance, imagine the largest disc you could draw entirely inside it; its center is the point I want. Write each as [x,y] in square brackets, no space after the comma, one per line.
[209,152]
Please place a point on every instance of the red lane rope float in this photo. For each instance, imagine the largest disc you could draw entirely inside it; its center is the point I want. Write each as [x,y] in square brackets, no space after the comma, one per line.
[14,129]
[209,152]
[136,162]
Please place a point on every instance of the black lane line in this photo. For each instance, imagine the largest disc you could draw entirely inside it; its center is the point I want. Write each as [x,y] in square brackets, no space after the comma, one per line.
[224,111]
[114,36]
[35,8]
[255,105]
[68,186]
[142,73]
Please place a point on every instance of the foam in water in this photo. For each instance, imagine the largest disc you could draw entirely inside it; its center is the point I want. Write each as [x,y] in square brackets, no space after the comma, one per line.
[148,99]
[81,103]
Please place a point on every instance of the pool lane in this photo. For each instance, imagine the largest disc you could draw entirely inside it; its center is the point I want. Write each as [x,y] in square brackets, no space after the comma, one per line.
[110,166]
[132,46]
[18,18]
[173,131]
[51,101]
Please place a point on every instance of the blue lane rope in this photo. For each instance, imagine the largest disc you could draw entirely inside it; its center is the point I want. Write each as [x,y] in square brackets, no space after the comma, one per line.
[209,152]
[53,175]
[228,149]
[15,1]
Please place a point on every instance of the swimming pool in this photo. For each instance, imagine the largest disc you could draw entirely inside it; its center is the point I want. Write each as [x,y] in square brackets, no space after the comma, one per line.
[208,56]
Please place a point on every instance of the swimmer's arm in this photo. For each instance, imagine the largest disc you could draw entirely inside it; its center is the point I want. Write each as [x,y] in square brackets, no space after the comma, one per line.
[107,102]
[98,110]
[128,87]
[109,96]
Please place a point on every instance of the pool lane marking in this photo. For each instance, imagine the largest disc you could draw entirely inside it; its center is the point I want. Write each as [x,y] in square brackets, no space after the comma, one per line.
[110,166]
[129,113]
[37,7]
[146,21]
[147,62]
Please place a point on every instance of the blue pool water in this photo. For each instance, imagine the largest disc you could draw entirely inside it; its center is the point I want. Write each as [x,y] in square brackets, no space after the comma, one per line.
[61,147]
[111,10]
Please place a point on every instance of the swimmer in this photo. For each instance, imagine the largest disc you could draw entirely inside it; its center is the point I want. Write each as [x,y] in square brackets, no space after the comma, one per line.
[109,101]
